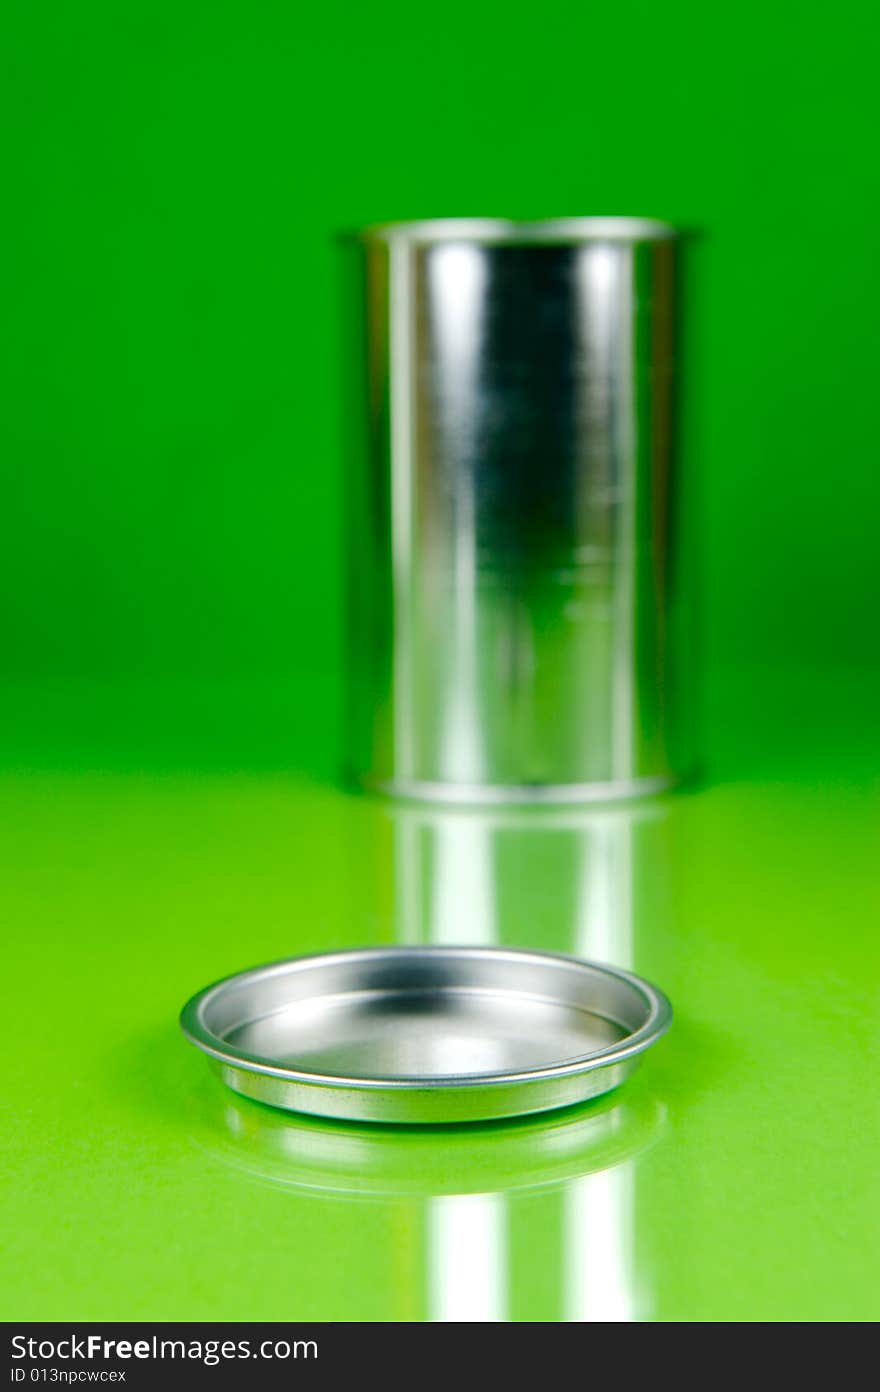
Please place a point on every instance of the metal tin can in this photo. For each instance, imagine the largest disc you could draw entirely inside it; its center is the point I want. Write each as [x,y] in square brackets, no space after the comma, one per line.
[515,603]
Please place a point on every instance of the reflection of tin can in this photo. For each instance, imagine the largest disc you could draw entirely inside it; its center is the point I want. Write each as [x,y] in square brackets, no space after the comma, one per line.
[514,604]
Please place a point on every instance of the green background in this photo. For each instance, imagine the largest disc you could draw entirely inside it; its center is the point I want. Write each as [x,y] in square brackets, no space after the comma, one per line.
[172,332]
[171,563]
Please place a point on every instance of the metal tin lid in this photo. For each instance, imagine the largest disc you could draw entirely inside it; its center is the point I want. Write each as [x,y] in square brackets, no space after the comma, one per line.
[426,1034]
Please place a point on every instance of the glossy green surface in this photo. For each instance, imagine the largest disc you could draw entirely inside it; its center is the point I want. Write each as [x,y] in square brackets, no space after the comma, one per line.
[734,1178]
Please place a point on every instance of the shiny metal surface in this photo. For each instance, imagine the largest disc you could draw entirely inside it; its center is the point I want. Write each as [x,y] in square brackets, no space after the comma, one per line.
[426,1034]
[516,610]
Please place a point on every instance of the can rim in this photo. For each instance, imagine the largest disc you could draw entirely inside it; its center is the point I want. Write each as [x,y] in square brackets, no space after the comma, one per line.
[510,231]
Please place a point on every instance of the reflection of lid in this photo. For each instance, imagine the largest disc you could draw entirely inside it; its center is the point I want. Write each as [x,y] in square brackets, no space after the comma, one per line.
[361,1160]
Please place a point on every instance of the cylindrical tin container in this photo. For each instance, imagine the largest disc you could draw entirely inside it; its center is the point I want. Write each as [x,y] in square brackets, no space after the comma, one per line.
[514,602]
